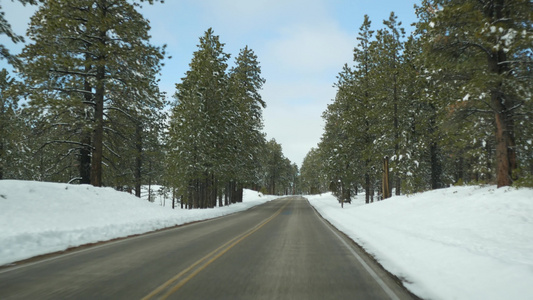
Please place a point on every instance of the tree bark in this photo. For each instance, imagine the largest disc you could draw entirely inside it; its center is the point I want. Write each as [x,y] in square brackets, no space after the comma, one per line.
[501,104]
[98,134]
[85,152]
[138,160]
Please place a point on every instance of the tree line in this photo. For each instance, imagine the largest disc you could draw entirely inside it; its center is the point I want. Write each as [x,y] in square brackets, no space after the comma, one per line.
[85,107]
[448,104]
[215,139]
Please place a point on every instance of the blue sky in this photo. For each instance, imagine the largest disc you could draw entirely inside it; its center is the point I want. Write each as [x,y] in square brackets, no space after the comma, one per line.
[301,46]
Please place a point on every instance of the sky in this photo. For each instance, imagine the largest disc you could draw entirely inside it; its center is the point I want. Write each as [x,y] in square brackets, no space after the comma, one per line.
[301,46]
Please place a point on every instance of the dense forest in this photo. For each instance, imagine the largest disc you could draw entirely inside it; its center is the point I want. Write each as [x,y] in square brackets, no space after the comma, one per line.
[448,104]
[84,107]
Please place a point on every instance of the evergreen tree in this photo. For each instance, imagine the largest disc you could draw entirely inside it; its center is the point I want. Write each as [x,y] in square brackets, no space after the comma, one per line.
[81,51]
[199,124]
[388,49]
[279,175]
[245,121]
[10,125]
[365,91]
[485,46]
[5,28]
[313,179]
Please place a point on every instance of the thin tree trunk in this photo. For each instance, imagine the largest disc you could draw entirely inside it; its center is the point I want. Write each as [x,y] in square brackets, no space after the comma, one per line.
[138,160]
[2,158]
[98,134]
[85,151]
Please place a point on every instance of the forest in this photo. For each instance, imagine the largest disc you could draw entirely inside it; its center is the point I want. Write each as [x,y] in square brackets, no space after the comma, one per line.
[84,107]
[450,103]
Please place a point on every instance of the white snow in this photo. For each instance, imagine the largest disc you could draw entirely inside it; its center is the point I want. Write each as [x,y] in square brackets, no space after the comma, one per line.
[38,217]
[455,243]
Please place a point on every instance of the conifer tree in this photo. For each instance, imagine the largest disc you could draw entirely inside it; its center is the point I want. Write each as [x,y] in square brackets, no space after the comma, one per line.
[485,46]
[9,123]
[365,93]
[81,51]
[5,28]
[199,124]
[245,121]
[313,179]
[387,50]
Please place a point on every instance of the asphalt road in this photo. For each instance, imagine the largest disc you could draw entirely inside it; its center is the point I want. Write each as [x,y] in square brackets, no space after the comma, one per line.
[279,250]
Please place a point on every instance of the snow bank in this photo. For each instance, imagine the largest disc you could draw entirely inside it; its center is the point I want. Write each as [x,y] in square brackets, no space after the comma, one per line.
[455,243]
[38,217]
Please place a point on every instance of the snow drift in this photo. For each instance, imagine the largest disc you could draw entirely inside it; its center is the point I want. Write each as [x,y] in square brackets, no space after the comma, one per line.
[38,217]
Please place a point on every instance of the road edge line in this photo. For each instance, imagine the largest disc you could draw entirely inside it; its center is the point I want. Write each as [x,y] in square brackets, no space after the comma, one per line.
[372,273]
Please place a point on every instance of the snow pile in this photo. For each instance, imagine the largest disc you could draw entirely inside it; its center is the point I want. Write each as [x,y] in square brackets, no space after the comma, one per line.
[455,243]
[38,218]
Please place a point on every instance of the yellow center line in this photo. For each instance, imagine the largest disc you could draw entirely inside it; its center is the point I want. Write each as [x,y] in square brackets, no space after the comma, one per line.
[211,257]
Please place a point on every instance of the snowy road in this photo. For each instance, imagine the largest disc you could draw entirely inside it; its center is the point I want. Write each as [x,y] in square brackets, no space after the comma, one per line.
[279,250]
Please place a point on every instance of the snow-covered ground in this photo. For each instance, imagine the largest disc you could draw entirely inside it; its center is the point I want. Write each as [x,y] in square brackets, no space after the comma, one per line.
[455,243]
[38,217]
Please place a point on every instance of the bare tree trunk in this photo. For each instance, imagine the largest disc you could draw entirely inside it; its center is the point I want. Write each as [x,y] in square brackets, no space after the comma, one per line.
[2,158]
[367,188]
[138,160]
[385,183]
[85,151]
[98,134]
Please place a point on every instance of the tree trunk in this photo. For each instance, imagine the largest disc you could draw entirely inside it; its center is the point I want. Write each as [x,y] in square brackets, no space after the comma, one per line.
[85,151]
[396,131]
[85,159]
[98,134]
[436,167]
[506,161]
[505,157]
[138,160]
[240,193]
[2,158]
[367,188]
[385,183]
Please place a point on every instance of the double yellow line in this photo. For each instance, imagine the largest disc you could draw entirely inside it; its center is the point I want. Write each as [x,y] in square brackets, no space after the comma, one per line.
[176,282]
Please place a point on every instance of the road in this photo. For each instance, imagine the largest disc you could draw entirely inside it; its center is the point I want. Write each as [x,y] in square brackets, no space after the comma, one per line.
[279,250]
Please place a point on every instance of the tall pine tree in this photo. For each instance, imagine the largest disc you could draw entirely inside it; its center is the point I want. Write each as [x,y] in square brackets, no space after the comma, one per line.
[80,51]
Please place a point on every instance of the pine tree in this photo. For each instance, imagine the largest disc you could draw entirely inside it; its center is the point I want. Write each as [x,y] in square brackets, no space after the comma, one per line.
[313,179]
[387,50]
[81,51]
[365,93]
[8,122]
[279,174]
[485,45]
[5,28]
[199,124]
[245,121]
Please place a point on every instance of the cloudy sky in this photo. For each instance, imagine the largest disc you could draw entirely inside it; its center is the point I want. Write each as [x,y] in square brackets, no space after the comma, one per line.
[301,46]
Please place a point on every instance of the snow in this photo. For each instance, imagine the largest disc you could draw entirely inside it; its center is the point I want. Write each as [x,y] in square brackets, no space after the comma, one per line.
[38,217]
[456,243]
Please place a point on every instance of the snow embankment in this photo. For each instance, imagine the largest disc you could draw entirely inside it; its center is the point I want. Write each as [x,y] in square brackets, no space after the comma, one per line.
[38,217]
[454,243]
